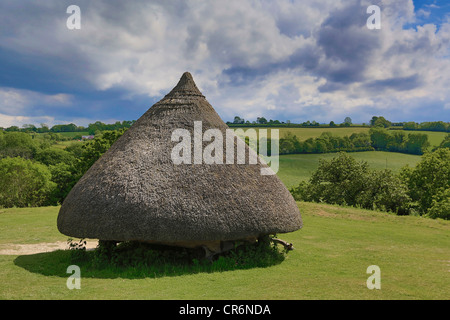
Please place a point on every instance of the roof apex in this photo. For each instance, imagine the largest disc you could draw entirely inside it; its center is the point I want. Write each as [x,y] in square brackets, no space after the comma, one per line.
[186,86]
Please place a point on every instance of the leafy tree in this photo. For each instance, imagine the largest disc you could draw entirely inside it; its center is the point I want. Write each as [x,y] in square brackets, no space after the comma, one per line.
[12,129]
[289,144]
[238,120]
[286,146]
[29,128]
[381,122]
[348,121]
[344,181]
[63,168]
[53,156]
[43,128]
[18,144]
[434,126]
[24,183]
[445,143]
[397,142]
[410,126]
[76,149]
[440,205]
[430,177]
[321,146]
[338,180]
[64,128]
[98,126]
[372,121]
[361,141]
[384,191]
[306,123]
[261,120]
[308,145]
[380,138]
[94,149]
[65,177]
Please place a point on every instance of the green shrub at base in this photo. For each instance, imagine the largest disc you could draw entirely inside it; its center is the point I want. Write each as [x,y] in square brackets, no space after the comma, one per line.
[137,259]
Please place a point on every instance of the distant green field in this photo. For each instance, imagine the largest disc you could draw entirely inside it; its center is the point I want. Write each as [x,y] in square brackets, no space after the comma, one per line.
[435,138]
[73,134]
[332,253]
[306,133]
[299,167]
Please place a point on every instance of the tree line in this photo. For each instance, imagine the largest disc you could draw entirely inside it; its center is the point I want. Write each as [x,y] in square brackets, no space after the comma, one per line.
[261,121]
[428,126]
[35,173]
[378,138]
[92,128]
[375,121]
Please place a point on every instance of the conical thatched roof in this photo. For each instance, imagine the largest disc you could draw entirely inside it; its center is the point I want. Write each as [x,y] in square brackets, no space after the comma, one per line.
[136,192]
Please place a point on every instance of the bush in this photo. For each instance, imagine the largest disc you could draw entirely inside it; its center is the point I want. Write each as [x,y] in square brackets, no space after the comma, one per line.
[417,143]
[344,181]
[384,191]
[24,183]
[63,168]
[53,156]
[65,177]
[445,143]
[339,180]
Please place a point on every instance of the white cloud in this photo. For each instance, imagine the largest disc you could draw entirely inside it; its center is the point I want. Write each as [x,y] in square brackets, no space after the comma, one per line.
[8,121]
[16,101]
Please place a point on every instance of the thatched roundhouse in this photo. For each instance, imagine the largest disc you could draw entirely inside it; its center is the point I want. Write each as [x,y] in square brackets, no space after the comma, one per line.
[136,192]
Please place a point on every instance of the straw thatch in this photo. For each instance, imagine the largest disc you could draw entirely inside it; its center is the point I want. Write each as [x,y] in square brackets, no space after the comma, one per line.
[136,192]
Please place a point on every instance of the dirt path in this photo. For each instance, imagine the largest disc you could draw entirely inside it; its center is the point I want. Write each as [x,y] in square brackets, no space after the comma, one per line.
[24,249]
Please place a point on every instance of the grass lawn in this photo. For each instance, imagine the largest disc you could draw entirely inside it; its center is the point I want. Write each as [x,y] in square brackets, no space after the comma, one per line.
[331,256]
[297,167]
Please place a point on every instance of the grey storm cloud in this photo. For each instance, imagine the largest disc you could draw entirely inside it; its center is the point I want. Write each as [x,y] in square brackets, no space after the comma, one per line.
[398,83]
[347,45]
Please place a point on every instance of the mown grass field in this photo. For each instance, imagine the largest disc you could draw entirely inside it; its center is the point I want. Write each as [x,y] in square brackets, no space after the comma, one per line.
[331,256]
[294,168]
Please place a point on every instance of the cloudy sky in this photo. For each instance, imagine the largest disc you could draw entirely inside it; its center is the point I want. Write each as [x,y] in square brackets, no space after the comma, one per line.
[292,60]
